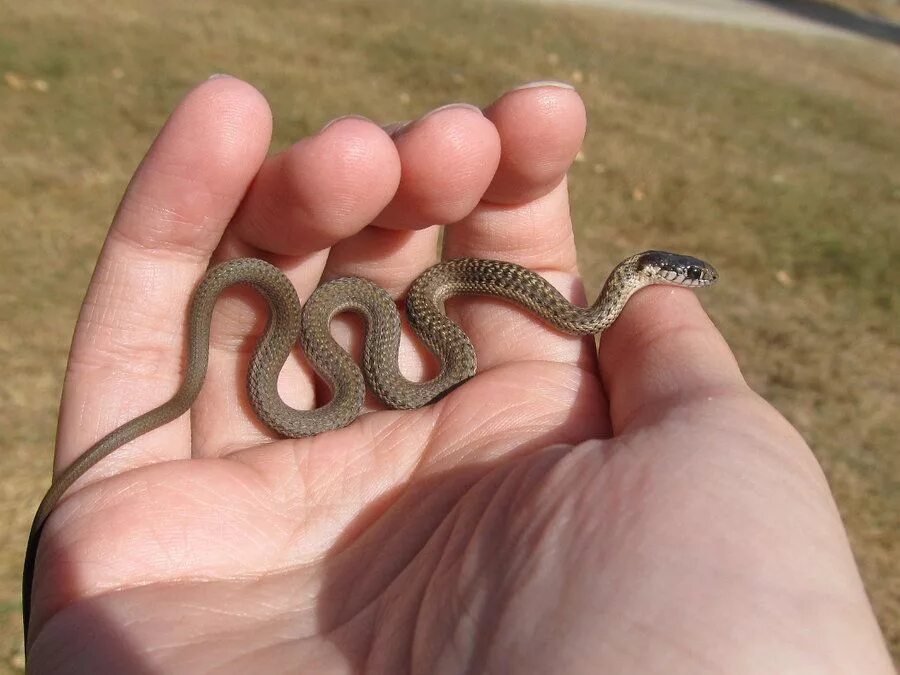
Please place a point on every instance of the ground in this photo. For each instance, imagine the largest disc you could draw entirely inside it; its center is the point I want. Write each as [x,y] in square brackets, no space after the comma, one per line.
[772,155]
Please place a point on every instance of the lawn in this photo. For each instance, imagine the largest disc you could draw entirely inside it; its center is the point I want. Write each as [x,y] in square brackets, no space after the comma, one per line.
[773,156]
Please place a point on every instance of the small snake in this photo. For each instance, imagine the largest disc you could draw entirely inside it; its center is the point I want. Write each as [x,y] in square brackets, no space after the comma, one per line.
[288,323]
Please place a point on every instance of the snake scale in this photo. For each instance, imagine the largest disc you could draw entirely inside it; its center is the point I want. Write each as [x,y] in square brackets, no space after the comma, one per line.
[289,323]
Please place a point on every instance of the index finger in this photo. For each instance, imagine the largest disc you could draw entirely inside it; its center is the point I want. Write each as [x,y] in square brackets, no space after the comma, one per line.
[128,347]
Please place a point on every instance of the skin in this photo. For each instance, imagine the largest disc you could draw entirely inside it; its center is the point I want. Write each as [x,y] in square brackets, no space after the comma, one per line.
[636,510]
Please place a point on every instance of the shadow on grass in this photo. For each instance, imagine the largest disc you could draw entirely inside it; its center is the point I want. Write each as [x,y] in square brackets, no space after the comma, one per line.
[838,17]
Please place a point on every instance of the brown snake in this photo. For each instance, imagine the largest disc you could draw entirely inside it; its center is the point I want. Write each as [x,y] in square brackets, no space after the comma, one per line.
[288,323]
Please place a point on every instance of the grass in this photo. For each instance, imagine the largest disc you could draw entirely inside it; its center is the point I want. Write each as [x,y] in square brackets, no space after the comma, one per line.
[772,155]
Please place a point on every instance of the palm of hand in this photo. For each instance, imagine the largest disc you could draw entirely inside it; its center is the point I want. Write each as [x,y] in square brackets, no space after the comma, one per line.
[507,528]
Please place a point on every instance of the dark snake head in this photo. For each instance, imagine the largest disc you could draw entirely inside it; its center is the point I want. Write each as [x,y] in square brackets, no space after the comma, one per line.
[679,270]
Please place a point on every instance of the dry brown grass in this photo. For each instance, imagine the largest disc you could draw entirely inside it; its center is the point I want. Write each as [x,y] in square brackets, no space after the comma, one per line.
[774,156]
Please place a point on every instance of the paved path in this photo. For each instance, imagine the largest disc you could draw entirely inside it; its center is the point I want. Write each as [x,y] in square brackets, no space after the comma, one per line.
[736,12]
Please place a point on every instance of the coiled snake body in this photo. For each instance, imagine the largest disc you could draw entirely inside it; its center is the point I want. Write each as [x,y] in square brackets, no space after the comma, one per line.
[424,309]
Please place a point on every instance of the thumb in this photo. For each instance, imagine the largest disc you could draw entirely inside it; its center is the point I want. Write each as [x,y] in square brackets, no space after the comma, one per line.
[662,352]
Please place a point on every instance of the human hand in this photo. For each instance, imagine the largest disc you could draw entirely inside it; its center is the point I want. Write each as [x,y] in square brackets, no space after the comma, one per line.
[638,511]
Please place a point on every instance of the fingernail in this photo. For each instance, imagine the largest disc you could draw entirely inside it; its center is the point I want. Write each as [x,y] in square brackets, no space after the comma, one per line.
[452,106]
[344,117]
[395,128]
[398,128]
[544,83]
[216,76]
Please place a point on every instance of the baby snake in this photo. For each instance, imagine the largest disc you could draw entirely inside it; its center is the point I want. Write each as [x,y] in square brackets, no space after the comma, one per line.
[288,323]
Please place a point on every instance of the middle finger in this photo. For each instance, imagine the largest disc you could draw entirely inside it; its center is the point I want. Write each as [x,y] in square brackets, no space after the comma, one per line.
[325,188]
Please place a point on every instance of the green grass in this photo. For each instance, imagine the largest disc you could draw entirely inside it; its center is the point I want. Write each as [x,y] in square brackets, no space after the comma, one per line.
[773,156]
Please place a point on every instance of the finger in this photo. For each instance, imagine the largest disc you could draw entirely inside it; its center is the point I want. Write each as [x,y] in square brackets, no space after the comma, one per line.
[323,189]
[127,353]
[542,125]
[448,158]
[663,352]
[524,218]
[524,214]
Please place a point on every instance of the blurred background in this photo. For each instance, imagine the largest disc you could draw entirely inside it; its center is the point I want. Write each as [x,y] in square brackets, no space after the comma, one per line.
[762,135]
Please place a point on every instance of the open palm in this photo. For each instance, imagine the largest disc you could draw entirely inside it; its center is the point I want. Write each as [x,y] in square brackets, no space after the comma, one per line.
[637,511]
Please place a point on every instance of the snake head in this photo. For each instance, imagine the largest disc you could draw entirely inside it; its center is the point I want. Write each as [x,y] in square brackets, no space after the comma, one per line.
[672,268]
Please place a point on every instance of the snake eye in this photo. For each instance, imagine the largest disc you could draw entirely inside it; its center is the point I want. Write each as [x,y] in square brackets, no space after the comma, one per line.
[694,273]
